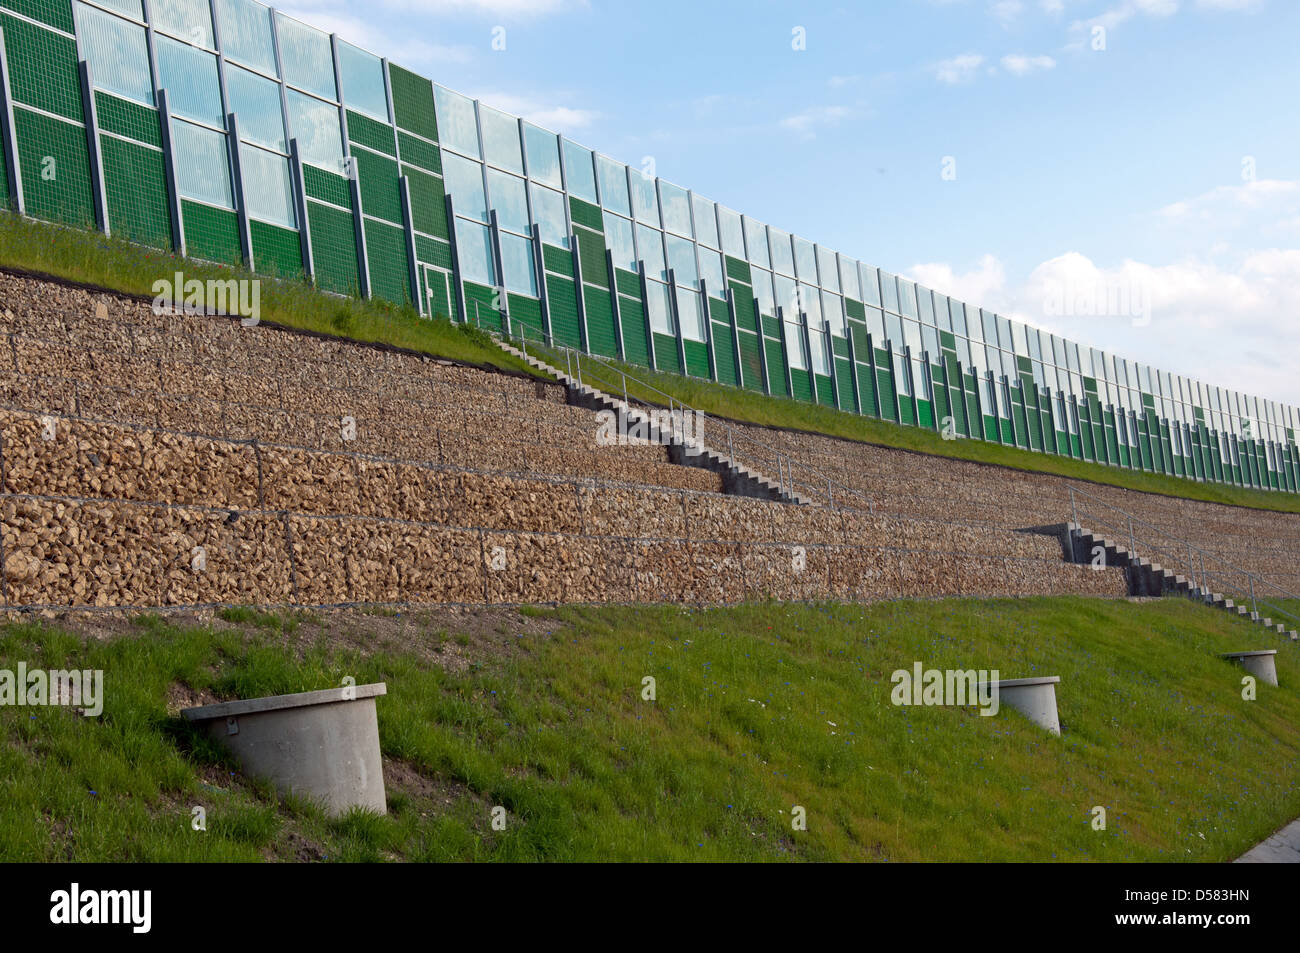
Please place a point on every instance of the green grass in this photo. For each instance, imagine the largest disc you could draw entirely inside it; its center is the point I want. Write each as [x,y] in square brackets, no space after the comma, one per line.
[749,407]
[759,708]
[87,257]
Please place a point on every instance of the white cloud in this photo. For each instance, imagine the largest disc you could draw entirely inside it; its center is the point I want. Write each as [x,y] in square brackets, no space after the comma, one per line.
[804,123]
[563,119]
[958,69]
[1006,10]
[1018,64]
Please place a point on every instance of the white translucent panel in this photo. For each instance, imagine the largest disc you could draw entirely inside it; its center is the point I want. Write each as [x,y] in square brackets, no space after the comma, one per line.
[786,296]
[805,261]
[828,268]
[902,379]
[132,8]
[711,273]
[315,124]
[543,149]
[463,180]
[457,126]
[474,253]
[817,348]
[255,101]
[190,77]
[268,189]
[613,185]
[925,305]
[930,341]
[681,259]
[659,308]
[1021,341]
[907,297]
[517,265]
[894,330]
[501,146]
[677,208]
[876,326]
[579,172]
[245,29]
[706,221]
[618,238]
[548,213]
[756,240]
[870,286]
[509,199]
[833,312]
[811,304]
[306,56]
[362,74]
[888,292]
[690,313]
[190,20]
[919,381]
[650,248]
[205,173]
[732,233]
[794,345]
[849,272]
[117,52]
[782,253]
[763,293]
[645,206]
[942,314]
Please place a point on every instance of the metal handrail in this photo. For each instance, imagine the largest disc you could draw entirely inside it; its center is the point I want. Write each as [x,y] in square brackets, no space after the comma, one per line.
[824,485]
[1194,554]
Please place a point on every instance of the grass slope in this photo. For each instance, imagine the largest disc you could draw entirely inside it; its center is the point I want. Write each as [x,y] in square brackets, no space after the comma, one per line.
[759,708]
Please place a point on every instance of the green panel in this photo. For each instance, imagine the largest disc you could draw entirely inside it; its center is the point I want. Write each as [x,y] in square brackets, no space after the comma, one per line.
[371,134]
[326,186]
[560,260]
[825,390]
[751,361]
[438,294]
[390,274]
[419,153]
[697,358]
[380,194]
[905,414]
[771,328]
[1004,427]
[413,102]
[601,338]
[334,249]
[525,315]
[428,207]
[211,233]
[925,414]
[775,367]
[941,409]
[738,270]
[634,331]
[885,387]
[276,251]
[746,318]
[55,168]
[591,254]
[666,357]
[801,384]
[135,185]
[629,282]
[481,303]
[958,400]
[433,252]
[564,311]
[42,68]
[724,354]
[127,119]
[57,13]
[4,181]
[855,310]
[584,213]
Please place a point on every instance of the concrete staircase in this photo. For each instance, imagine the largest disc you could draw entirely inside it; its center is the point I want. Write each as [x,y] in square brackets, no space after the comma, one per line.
[737,479]
[1148,578]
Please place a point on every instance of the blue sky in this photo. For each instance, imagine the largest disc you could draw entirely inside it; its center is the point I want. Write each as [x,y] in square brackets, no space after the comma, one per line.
[1167,162]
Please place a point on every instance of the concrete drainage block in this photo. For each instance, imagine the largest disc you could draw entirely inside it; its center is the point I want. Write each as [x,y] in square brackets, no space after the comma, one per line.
[323,745]
[1260,664]
[1035,698]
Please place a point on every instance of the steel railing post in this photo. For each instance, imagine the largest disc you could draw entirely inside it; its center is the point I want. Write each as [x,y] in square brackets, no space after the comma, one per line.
[1253,607]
